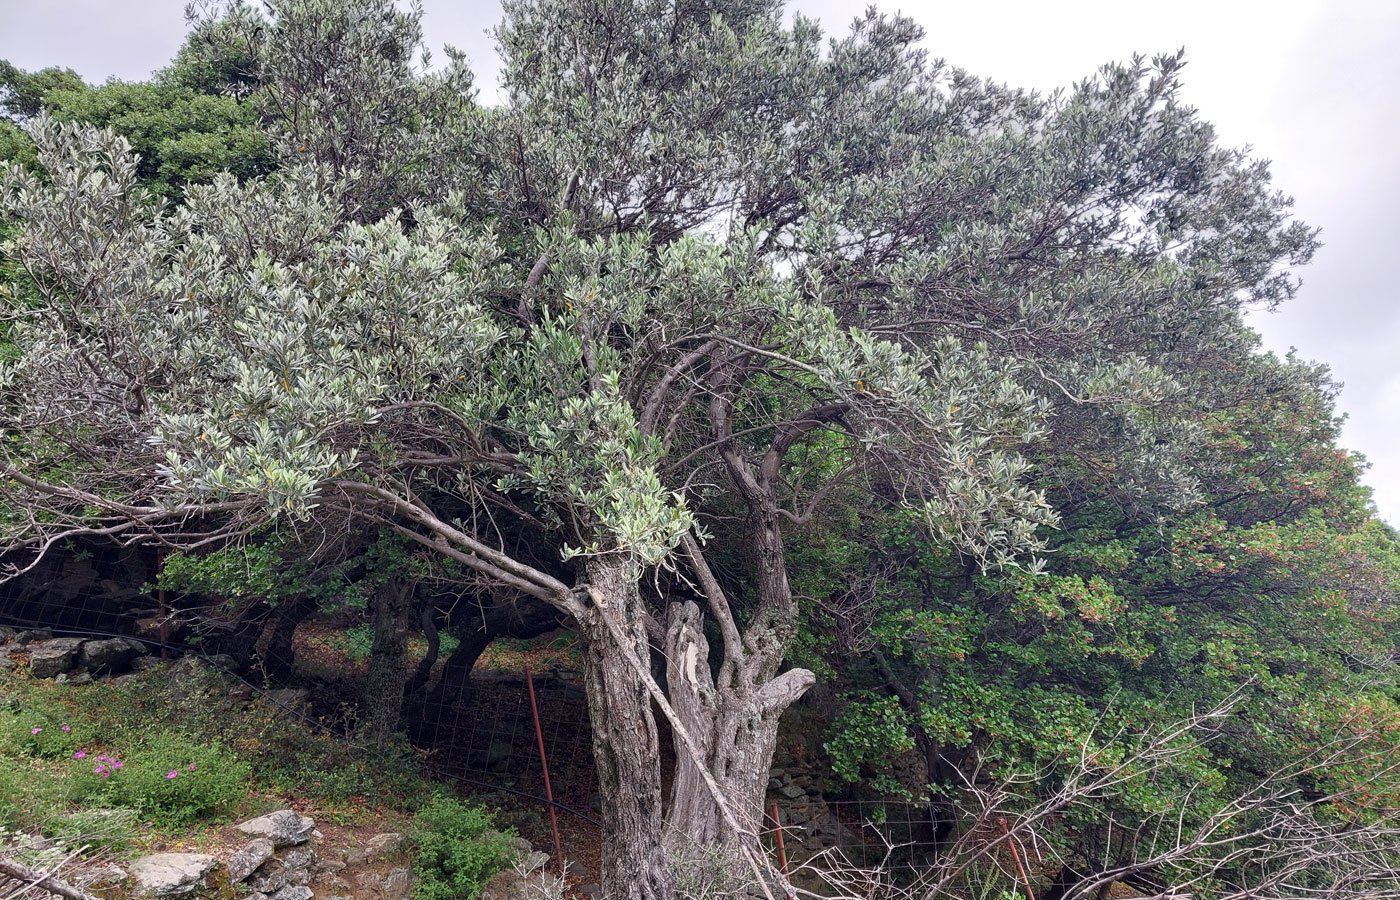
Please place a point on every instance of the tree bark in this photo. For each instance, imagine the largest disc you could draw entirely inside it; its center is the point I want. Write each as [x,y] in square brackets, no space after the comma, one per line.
[736,728]
[384,684]
[427,624]
[626,747]
[279,659]
[733,719]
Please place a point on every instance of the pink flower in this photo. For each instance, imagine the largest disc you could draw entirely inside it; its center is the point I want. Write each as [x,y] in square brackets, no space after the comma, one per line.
[172,774]
[35,730]
[116,764]
[80,754]
[190,767]
[65,729]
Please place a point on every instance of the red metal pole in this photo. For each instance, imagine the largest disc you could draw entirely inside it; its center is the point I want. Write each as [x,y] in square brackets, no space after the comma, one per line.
[544,766]
[1030,894]
[782,850]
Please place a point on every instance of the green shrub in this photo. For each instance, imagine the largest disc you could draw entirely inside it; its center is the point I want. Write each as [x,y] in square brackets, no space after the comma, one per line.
[292,758]
[42,731]
[172,778]
[458,849]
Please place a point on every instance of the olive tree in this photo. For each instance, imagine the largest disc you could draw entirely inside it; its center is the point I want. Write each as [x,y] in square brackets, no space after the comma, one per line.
[702,268]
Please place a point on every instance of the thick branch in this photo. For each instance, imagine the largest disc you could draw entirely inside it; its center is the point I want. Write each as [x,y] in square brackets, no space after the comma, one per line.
[718,602]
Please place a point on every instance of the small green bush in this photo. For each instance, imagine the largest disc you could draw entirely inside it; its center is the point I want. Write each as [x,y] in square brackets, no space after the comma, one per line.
[458,849]
[172,778]
[42,731]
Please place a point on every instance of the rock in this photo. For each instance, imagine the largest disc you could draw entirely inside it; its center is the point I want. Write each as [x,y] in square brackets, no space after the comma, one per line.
[792,792]
[171,874]
[7,664]
[112,655]
[396,884]
[298,865]
[33,634]
[333,882]
[382,845]
[378,847]
[246,861]
[53,657]
[141,664]
[775,783]
[293,699]
[269,878]
[391,886]
[221,661]
[284,828]
[80,679]
[536,860]
[294,892]
[507,884]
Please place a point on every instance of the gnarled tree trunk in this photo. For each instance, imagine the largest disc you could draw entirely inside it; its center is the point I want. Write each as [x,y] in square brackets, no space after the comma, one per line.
[732,717]
[734,724]
[279,659]
[384,683]
[626,747]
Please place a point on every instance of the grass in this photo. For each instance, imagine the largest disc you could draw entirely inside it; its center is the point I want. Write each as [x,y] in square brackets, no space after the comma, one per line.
[118,766]
[171,755]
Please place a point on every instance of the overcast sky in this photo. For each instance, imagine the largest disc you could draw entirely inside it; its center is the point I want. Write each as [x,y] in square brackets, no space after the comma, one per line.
[1313,86]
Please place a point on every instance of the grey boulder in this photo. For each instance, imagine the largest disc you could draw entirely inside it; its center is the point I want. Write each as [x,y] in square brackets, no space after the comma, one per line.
[171,874]
[112,655]
[284,828]
[53,657]
[294,892]
[245,862]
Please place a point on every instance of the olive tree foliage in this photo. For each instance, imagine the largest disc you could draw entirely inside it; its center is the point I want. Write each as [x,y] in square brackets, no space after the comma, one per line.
[346,88]
[701,262]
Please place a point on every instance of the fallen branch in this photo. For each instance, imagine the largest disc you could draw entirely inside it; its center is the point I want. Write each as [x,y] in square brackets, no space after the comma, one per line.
[46,880]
